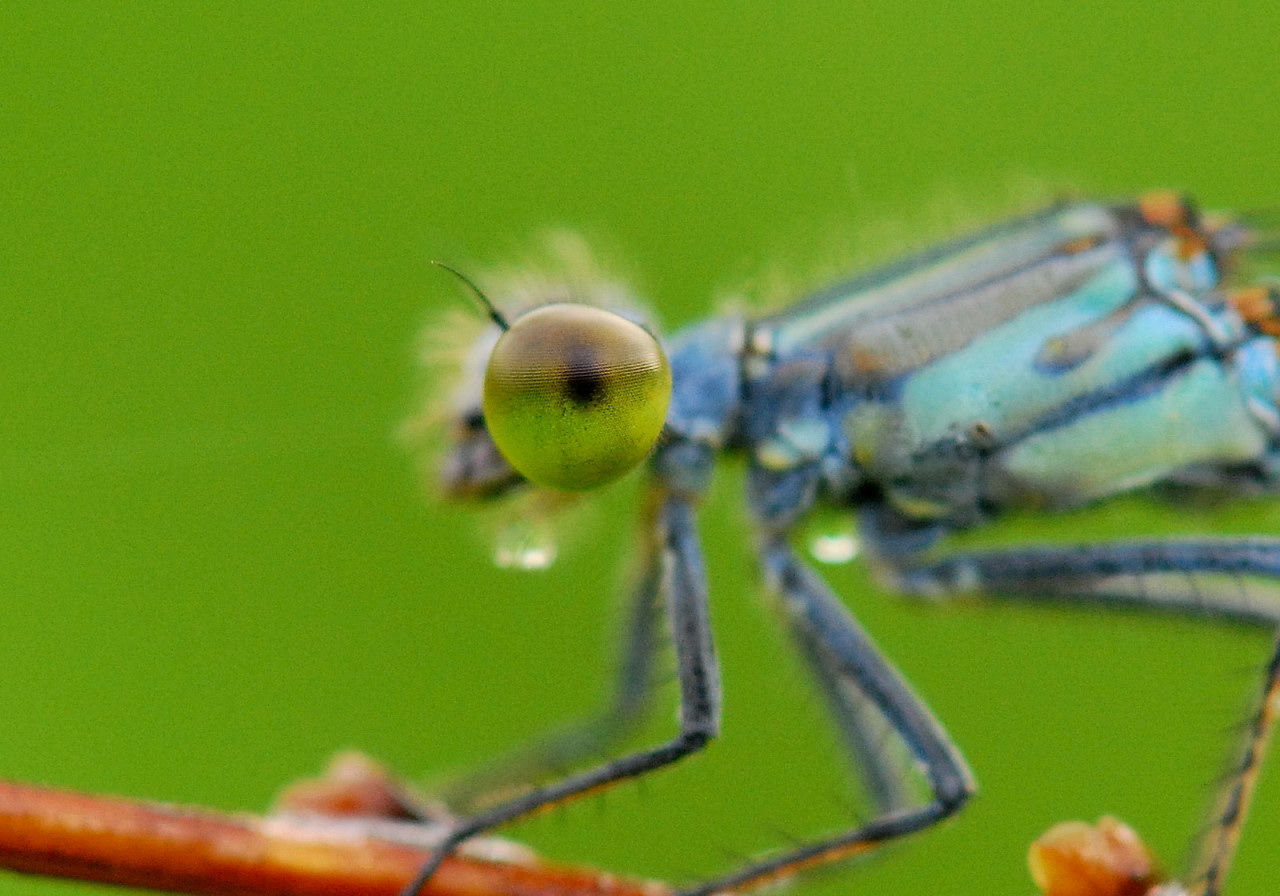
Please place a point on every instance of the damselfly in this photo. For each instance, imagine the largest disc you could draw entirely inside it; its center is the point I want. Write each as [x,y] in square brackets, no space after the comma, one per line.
[1052,361]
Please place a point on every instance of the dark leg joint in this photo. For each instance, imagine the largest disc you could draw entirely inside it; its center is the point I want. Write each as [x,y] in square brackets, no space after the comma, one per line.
[952,794]
[691,741]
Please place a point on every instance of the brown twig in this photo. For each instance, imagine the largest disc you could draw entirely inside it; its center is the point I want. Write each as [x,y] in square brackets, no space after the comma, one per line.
[343,835]
[183,850]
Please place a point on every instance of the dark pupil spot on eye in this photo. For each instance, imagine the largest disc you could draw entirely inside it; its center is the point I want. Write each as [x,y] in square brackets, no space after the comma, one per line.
[584,378]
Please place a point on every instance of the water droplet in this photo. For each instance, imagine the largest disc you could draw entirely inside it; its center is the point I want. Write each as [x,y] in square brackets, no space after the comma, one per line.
[833,539]
[525,544]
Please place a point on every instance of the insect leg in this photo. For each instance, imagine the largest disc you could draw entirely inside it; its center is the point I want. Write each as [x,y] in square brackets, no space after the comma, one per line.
[1162,575]
[863,729]
[1179,575]
[1219,845]
[851,665]
[590,737]
[675,540]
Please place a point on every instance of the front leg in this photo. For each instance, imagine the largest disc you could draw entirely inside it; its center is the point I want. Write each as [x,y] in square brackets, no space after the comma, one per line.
[676,543]
[596,736]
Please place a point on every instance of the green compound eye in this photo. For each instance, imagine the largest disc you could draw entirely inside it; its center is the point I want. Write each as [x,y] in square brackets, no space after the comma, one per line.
[575,396]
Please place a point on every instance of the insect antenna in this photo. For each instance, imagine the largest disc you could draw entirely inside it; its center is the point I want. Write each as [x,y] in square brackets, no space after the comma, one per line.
[494,314]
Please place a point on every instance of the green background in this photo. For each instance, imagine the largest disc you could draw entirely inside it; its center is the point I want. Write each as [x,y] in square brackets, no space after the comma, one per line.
[216,564]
